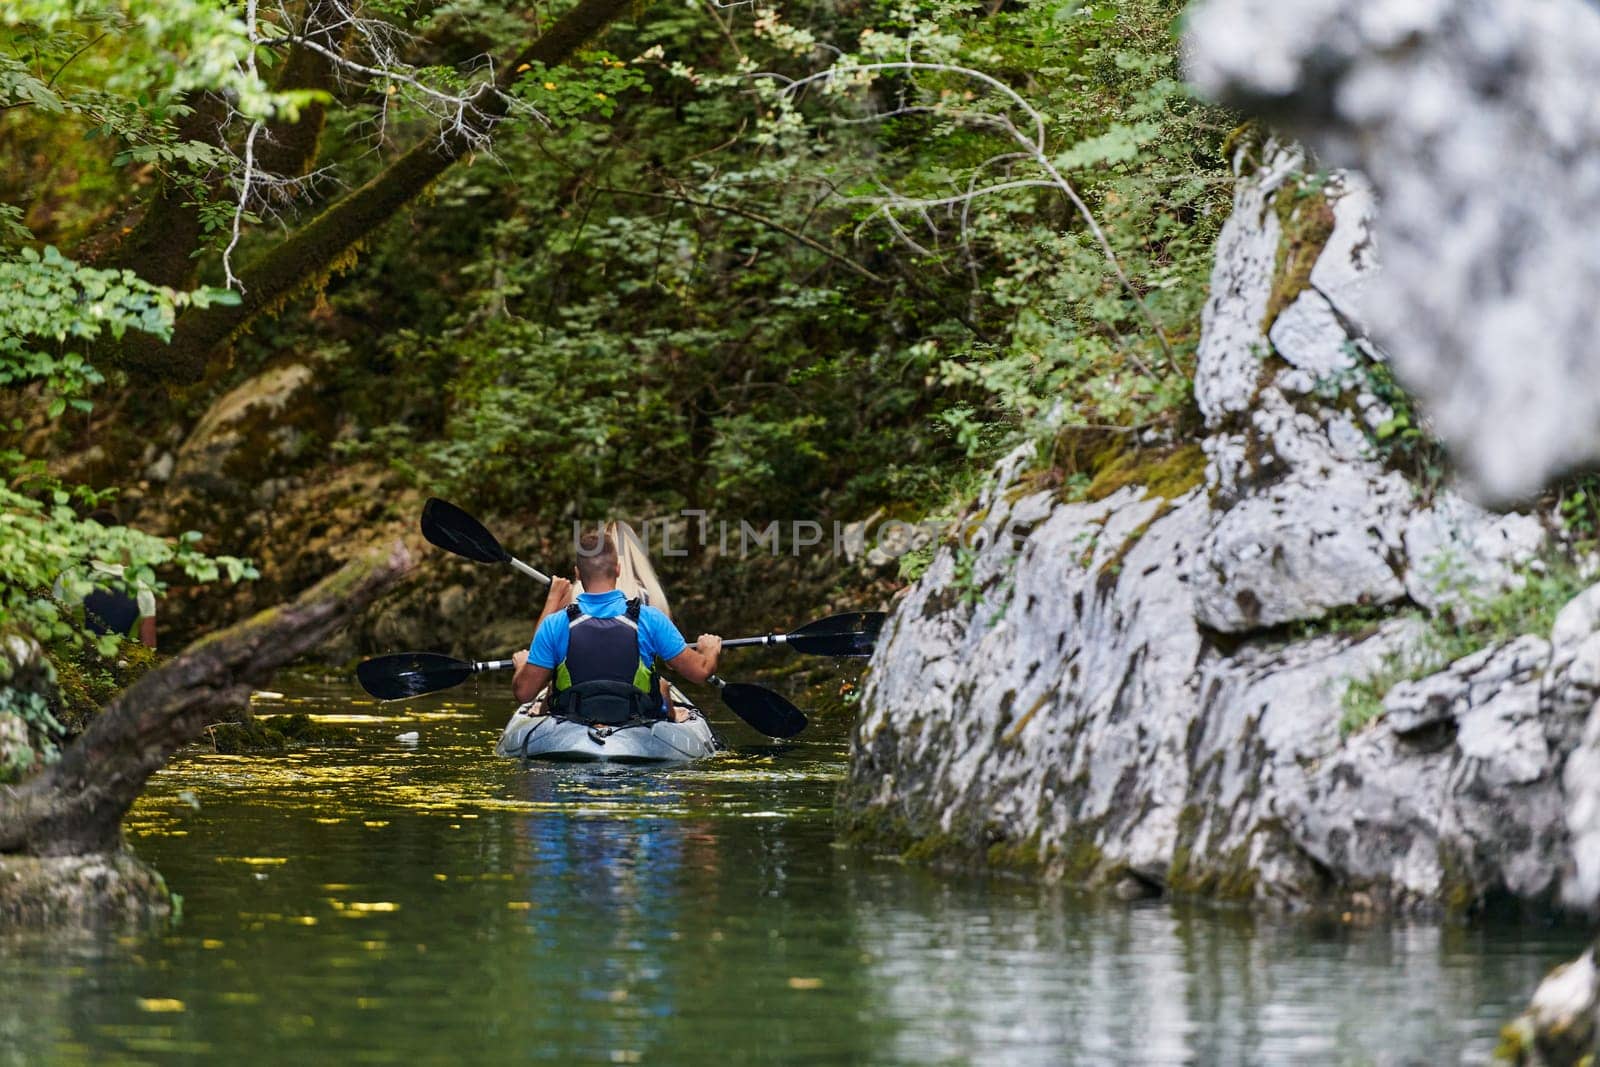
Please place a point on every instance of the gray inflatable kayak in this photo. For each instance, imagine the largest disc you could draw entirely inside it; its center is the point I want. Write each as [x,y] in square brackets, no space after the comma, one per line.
[546,737]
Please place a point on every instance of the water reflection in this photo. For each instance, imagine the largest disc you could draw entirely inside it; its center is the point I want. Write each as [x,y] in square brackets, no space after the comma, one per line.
[430,903]
[1045,977]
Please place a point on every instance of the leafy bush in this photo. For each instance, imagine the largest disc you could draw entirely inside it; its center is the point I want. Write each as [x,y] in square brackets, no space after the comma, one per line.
[50,307]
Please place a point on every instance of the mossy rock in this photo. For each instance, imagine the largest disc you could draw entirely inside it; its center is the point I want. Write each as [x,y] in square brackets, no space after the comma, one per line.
[1307,222]
[1164,472]
[276,735]
[99,890]
[86,681]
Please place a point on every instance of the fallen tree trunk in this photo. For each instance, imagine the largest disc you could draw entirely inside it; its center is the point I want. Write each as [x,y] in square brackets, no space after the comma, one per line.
[75,807]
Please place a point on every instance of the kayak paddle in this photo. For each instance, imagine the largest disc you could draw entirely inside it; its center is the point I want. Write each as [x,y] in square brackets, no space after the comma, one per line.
[448,527]
[411,674]
[853,633]
[763,709]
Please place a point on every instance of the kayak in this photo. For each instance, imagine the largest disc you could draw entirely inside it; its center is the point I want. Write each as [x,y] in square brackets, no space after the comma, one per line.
[551,737]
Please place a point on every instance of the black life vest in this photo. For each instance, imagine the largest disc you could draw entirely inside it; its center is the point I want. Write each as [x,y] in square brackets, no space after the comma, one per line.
[605,677]
[108,611]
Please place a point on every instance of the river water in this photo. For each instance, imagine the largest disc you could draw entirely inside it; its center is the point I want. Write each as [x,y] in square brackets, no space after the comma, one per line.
[389,902]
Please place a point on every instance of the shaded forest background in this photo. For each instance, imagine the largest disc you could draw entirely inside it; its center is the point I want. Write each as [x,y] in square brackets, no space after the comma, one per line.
[645,268]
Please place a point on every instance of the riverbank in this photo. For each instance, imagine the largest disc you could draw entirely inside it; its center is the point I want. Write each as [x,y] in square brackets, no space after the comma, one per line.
[1243,688]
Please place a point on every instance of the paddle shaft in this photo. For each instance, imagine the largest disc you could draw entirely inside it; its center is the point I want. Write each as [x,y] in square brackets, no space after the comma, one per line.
[743,642]
[529,571]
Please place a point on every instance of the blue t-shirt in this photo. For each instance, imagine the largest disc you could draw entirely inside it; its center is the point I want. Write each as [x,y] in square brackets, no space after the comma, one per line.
[657,636]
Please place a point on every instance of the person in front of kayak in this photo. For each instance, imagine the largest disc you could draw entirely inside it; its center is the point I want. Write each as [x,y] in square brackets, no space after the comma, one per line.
[599,652]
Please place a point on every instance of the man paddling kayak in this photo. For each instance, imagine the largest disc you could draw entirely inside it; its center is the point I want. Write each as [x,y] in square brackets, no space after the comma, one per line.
[599,653]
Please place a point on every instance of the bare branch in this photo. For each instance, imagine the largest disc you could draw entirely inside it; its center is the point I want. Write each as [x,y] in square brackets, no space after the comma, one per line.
[462,118]
[1033,145]
[732,209]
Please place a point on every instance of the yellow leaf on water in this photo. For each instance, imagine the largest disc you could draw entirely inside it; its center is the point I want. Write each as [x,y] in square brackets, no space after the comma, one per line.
[805,983]
[160,1004]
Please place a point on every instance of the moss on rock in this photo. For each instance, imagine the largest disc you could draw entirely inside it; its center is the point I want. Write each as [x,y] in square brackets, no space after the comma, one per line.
[86,681]
[276,735]
[1164,472]
[100,889]
[1307,222]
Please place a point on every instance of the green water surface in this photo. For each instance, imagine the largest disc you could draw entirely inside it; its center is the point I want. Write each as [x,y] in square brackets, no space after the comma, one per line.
[390,902]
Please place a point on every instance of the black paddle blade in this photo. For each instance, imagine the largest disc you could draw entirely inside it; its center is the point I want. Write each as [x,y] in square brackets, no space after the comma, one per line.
[410,674]
[857,644]
[453,530]
[852,633]
[763,709]
[867,622]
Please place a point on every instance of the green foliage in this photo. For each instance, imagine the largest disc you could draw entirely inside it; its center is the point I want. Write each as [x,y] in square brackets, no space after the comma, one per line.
[963,579]
[582,91]
[1400,441]
[913,564]
[1362,700]
[50,559]
[88,676]
[154,52]
[689,289]
[29,734]
[1472,623]
[49,306]
[630,321]
[1578,505]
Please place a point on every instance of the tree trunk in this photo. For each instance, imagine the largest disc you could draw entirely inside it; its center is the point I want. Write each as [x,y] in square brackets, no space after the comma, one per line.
[76,806]
[290,149]
[161,248]
[329,241]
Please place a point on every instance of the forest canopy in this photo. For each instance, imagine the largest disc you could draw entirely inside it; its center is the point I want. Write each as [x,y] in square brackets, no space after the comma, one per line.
[802,259]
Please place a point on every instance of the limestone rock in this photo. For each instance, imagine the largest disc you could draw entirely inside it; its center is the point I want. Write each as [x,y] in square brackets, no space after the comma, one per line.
[1560,1025]
[1459,553]
[1309,520]
[1231,346]
[1081,722]
[1109,696]
[1475,121]
[248,415]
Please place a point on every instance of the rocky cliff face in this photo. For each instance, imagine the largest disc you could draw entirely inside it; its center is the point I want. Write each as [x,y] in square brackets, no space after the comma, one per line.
[1475,119]
[1476,122]
[1148,690]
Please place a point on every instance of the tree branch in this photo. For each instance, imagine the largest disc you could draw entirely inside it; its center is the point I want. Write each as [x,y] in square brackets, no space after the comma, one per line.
[773,224]
[76,806]
[318,248]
